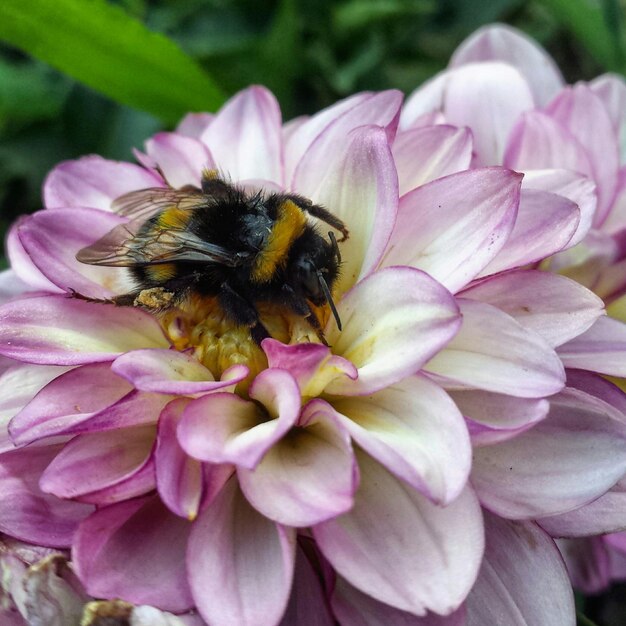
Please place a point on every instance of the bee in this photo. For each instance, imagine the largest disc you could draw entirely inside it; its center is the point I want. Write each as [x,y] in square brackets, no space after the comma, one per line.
[221,241]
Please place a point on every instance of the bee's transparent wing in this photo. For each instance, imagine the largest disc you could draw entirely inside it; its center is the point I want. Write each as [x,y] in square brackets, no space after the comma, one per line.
[146,202]
[127,246]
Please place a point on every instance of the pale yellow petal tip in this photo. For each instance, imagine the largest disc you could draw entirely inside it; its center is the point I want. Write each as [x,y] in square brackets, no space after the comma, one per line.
[191,515]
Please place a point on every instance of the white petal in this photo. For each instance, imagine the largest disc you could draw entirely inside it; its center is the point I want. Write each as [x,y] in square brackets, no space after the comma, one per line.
[495,353]
[522,580]
[567,460]
[394,321]
[399,548]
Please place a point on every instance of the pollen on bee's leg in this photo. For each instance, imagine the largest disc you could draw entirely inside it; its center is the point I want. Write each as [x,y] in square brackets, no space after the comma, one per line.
[155,298]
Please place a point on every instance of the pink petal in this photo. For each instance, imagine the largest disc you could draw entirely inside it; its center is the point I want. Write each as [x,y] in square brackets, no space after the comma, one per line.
[307,605]
[488,98]
[567,460]
[394,321]
[616,219]
[483,435]
[617,562]
[522,580]
[90,463]
[172,372]
[179,477]
[315,142]
[25,511]
[584,115]
[539,142]
[499,42]
[245,136]
[495,353]
[137,482]
[575,187]
[496,417]
[423,107]
[414,430]
[180,158]
[109,411]
[21,263]
[67,400]
[454,226]
[427,153]
[290,128]
[52,239]
[94,182]
[601,349]
[306,478]
[135,551]
[588,563]
[599,387]
[240,564]
[223,428]
[545,224]
[194,124]
[300,132]
[617,542]
[58,330]
[181,481]
[611,89]
[360,186]
[354,608]
[312,365]
[607,514]
[556,308]
[22,383]
[134,409]
[399,548]
[11,286]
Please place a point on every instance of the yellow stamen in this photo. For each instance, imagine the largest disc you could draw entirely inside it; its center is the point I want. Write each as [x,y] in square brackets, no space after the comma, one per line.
[201,326]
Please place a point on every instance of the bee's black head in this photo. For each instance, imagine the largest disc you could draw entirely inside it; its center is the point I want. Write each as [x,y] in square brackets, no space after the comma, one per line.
[315,268]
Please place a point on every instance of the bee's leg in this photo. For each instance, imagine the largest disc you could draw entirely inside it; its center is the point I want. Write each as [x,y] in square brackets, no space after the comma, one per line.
[258,332]
[294,302]
[321,214]
[123,300]
[301,307]
[242,312]
[315,325]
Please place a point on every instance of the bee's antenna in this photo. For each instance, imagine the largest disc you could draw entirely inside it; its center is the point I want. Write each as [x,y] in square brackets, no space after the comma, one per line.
[329,298]
[333,241]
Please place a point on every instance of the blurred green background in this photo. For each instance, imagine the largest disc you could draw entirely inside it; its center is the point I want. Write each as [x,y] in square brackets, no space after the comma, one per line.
[96,76]
[309,52]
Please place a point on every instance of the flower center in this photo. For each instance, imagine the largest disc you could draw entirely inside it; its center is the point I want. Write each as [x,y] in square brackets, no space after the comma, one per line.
[200,324]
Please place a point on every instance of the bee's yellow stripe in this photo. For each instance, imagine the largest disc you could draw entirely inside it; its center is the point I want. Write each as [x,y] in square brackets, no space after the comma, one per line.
[173,218]
[289,225]
[161,272]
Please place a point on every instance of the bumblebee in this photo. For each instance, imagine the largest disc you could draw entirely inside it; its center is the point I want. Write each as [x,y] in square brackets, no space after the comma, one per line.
[220,241]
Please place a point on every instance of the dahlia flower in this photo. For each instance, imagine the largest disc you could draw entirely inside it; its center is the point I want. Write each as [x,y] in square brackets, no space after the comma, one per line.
[568,140]
[189,469]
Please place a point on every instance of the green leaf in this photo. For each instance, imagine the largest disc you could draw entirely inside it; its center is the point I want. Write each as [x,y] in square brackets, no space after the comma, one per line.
[102,46]
[587,22]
